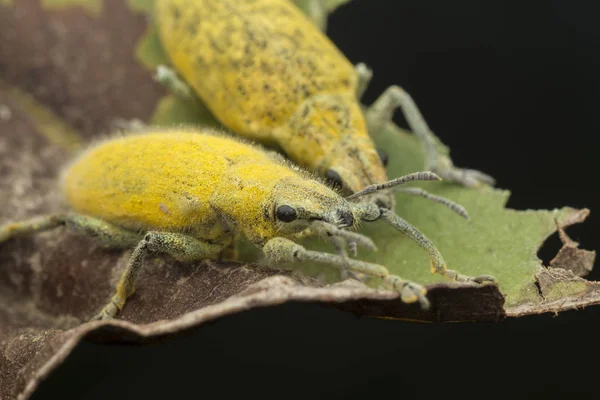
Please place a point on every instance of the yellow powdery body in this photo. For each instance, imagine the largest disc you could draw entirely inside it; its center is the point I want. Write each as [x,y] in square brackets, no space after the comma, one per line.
[253,62]
[175,181]
[268,73]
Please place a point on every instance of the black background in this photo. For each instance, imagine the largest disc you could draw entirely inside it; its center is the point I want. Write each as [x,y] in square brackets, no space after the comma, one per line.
[512,87]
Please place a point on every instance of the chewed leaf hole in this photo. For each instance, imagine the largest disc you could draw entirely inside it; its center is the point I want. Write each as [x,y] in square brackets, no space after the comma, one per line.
[549,249]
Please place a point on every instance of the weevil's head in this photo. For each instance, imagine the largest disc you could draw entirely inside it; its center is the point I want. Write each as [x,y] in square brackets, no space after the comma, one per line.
[297,202]
[356,164]
[328,134]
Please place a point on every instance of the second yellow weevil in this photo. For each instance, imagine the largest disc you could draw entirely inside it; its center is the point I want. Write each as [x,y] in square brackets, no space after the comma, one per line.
[267,72]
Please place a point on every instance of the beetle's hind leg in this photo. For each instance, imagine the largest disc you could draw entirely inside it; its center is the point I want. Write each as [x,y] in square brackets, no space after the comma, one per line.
[29,226]
[437,155]
[179,246]
[108,235]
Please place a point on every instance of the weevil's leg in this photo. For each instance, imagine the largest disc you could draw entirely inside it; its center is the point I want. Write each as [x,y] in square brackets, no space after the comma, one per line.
[284,250]
[320,228]
[179,246]
[437,262]
[168,77]
[281,250]
[457,208]
[437,155]
[340,246]
[108,235]
[410,292]
[365,74]
[338,240]
[329,230]
[29,226]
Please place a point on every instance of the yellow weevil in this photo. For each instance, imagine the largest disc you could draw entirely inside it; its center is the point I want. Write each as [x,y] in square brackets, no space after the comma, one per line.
[268,73]
[187,193]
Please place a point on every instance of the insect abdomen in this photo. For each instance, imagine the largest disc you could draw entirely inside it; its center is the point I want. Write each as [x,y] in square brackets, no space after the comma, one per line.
[251,62]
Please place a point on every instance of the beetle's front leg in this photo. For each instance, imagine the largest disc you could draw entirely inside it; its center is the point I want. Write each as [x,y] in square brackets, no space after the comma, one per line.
[437,156]
[340,239]
[281,250]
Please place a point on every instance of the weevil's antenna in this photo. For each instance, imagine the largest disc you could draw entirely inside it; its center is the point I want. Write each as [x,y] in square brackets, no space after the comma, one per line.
[415,176]
[457,208]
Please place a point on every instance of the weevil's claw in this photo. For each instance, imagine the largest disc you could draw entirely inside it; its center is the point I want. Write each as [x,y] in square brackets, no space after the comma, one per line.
[410,292]
[481,279]
[102,315]
[467,177]
[110,310]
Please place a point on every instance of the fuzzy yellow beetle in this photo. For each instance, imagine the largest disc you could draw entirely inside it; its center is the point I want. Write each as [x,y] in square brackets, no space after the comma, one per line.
[268,73]
[187,193]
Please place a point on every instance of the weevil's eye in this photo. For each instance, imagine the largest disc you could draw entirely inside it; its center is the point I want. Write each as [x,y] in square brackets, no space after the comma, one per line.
[286,214]
[383,157]
[333,178]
